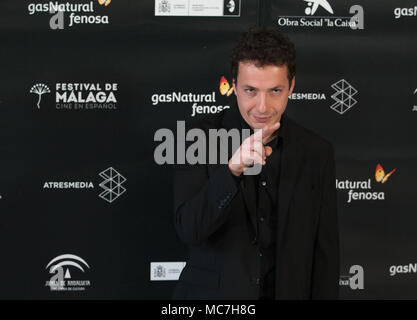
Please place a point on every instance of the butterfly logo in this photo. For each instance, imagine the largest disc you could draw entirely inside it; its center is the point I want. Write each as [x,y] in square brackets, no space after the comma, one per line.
[225,88]
[105,2]
[380,175]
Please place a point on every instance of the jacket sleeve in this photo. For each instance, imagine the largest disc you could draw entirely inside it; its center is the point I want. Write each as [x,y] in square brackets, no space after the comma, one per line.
[325,284]
[201,202]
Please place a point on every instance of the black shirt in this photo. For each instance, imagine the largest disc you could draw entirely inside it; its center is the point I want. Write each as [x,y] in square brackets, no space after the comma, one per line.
[266,190]
[266,210]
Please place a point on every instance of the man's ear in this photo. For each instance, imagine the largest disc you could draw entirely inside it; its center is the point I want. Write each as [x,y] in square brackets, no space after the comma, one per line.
[292,86]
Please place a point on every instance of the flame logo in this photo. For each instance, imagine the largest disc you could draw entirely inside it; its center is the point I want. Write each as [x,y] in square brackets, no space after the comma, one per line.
[380,175]
[225,88]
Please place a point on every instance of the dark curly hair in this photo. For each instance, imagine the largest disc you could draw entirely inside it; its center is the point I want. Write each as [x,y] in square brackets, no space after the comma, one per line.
[264,46]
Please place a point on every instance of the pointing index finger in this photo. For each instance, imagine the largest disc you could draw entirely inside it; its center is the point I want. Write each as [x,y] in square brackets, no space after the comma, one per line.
[268,131]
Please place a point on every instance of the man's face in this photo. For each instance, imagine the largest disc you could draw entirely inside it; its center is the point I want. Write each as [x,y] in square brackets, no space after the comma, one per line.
[262,93]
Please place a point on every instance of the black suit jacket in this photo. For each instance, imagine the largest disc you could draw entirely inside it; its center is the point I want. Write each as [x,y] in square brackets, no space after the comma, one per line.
[216,217]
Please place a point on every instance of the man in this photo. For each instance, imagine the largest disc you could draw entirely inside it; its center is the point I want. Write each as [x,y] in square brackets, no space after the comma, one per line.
[272,235]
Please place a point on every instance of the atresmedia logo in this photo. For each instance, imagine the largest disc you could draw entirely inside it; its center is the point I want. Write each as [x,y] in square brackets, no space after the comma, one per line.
[111,185]
[343,96]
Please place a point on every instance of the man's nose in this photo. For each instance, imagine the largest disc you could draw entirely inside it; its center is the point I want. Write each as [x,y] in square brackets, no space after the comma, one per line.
[262,103]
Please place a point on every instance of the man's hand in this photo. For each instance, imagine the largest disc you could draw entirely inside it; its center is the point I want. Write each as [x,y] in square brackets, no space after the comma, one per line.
[252,150]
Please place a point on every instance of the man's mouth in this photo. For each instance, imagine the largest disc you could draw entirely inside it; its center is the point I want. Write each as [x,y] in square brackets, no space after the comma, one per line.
[261,119]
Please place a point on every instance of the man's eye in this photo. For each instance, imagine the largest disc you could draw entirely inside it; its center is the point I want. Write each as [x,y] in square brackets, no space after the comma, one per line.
[249,90]
[276,90]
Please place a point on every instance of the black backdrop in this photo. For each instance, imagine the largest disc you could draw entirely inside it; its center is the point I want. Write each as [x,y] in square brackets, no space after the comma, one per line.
[146,50]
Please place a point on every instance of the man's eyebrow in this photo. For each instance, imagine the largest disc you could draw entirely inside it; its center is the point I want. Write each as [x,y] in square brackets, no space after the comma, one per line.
[248,86]
[277,87]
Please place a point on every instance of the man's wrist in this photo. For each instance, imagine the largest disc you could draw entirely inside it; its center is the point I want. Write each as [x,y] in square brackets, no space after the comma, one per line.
[234,172]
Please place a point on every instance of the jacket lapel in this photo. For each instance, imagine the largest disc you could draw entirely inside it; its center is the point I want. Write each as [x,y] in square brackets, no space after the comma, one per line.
[291,159]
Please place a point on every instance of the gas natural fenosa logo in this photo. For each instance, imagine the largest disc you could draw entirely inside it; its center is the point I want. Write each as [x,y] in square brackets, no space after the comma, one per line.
[202,103]
[365,186]
[78,13]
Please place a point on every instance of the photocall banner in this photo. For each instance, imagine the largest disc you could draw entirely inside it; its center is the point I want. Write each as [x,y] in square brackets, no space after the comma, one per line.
[87,212]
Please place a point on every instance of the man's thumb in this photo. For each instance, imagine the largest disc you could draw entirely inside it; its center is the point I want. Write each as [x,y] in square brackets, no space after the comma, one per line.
[268,151]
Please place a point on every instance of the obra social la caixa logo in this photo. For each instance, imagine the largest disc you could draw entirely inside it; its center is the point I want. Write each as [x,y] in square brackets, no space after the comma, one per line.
[201,103]
[355,279]
[69,14]
[78,96]
[320,14]
[62,278]
[111,185]
[362,190]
